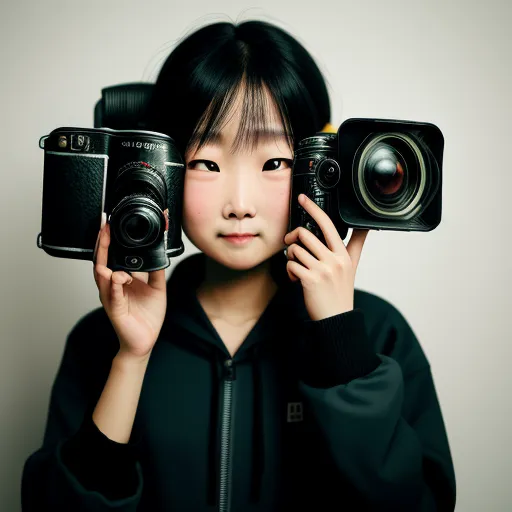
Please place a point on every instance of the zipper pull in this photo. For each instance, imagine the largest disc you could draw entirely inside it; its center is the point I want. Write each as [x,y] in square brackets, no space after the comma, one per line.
[229,369]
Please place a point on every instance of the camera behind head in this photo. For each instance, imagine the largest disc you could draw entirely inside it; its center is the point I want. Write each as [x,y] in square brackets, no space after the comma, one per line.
[370,174]
[133,176]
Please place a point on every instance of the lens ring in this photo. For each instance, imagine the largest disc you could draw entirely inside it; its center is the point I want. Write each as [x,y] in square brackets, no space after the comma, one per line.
[412,205]
[138,205]
[152,223]
[140,177]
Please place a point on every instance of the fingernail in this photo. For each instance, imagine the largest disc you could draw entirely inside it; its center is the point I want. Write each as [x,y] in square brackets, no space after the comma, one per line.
[103,219]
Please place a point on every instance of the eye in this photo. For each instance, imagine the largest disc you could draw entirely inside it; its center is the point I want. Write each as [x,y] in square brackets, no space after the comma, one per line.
[211,166]
[273,164]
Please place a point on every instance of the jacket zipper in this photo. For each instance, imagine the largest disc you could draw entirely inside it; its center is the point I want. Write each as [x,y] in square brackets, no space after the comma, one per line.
[225,444]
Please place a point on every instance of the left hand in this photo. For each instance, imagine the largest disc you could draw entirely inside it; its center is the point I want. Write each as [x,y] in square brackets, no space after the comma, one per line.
[327,274]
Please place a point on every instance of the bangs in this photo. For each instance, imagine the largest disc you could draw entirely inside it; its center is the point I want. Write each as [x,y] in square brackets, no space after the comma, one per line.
[281,89]
[258,121]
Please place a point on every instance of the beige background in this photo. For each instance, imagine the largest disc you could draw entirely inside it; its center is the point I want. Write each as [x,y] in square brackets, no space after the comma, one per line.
[441,62]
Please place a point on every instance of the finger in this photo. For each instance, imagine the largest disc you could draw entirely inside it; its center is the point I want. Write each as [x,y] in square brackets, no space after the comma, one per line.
[326,225]
[140,276]
[94,257]
[103,244]
[96,248]
[355,245]
[118,280]
[102,273]
[102,224]
[297,270]
[300,254]
[291,275]
[103,277]
[157,280]
[310,242]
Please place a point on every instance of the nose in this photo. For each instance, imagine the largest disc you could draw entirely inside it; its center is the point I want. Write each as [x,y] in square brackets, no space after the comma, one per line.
[240,197]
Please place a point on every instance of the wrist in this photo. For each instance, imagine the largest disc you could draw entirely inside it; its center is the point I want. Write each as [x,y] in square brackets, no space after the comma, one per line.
[126,359]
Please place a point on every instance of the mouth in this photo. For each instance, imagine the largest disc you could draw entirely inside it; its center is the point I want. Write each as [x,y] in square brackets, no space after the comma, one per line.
[239,238]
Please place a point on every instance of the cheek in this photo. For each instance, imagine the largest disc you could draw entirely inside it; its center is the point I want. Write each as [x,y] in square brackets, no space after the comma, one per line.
[197,203]
[277,203]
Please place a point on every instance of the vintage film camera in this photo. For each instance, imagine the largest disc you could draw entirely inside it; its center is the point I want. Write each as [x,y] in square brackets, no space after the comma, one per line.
[370,174]
[133,175]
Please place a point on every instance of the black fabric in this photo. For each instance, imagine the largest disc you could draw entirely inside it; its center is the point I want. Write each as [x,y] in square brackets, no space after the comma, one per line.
[332,364]
[326,364]
[99,463]
[361,378]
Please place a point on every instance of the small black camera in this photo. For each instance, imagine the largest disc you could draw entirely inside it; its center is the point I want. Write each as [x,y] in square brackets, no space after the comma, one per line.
[370,174]
[134,176]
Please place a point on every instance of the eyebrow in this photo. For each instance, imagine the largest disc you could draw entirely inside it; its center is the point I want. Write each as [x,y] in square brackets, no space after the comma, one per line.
[266,135]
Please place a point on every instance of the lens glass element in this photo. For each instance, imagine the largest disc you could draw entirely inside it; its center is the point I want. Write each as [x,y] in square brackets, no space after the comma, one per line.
[390,174]
[137,227]
[384,170]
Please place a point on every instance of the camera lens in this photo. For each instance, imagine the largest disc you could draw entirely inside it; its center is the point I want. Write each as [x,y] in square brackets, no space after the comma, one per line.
[137,227]
[139,196]
[136,222]
[390,174]
[139,178]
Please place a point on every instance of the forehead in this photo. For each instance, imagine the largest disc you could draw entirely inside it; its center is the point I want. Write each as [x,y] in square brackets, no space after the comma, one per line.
[247,117]
[264,136]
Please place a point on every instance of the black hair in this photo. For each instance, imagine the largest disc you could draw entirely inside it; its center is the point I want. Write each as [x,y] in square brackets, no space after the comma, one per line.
[198,81]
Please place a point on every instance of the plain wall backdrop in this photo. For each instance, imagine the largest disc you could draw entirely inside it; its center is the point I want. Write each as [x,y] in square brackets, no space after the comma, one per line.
[448,63]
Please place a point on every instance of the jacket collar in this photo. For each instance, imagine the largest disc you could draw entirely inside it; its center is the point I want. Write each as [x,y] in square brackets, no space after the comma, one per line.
[185,311]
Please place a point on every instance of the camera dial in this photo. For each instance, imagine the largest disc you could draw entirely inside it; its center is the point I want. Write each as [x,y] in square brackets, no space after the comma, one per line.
[328,173]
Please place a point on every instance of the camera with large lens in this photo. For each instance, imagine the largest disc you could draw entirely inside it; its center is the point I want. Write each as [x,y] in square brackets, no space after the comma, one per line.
[370,174]
[134,176]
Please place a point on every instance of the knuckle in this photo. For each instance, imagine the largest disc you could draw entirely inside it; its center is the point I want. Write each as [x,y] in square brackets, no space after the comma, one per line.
[326,271]
[339,263]
[302,232]
[311,282]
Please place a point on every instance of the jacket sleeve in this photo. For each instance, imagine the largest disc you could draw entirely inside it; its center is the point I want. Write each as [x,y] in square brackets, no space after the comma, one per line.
[381,419]
[78,467]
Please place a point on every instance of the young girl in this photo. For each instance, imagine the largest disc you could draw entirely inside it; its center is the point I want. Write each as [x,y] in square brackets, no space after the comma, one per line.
[251,380]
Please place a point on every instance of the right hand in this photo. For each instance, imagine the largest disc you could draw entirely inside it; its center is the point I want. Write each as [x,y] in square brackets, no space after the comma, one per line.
[135,304]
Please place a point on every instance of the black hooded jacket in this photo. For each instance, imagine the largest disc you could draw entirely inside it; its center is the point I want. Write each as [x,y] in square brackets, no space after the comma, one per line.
[336,414]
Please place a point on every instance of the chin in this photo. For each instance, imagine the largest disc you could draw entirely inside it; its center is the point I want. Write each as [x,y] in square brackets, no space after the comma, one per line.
[241,259]
[241,262]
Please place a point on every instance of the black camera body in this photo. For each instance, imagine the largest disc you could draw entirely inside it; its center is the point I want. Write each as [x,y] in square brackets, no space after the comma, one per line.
[134,176]
[370,174]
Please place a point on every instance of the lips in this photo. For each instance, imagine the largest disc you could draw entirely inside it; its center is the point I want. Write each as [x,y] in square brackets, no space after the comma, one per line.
[239,238]
[232,235]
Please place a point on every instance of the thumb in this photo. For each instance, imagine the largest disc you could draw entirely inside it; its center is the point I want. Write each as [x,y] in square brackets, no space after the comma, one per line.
[119,279]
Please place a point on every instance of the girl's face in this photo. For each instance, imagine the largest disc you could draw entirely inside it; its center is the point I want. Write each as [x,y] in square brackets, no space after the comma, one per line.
[246,192]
